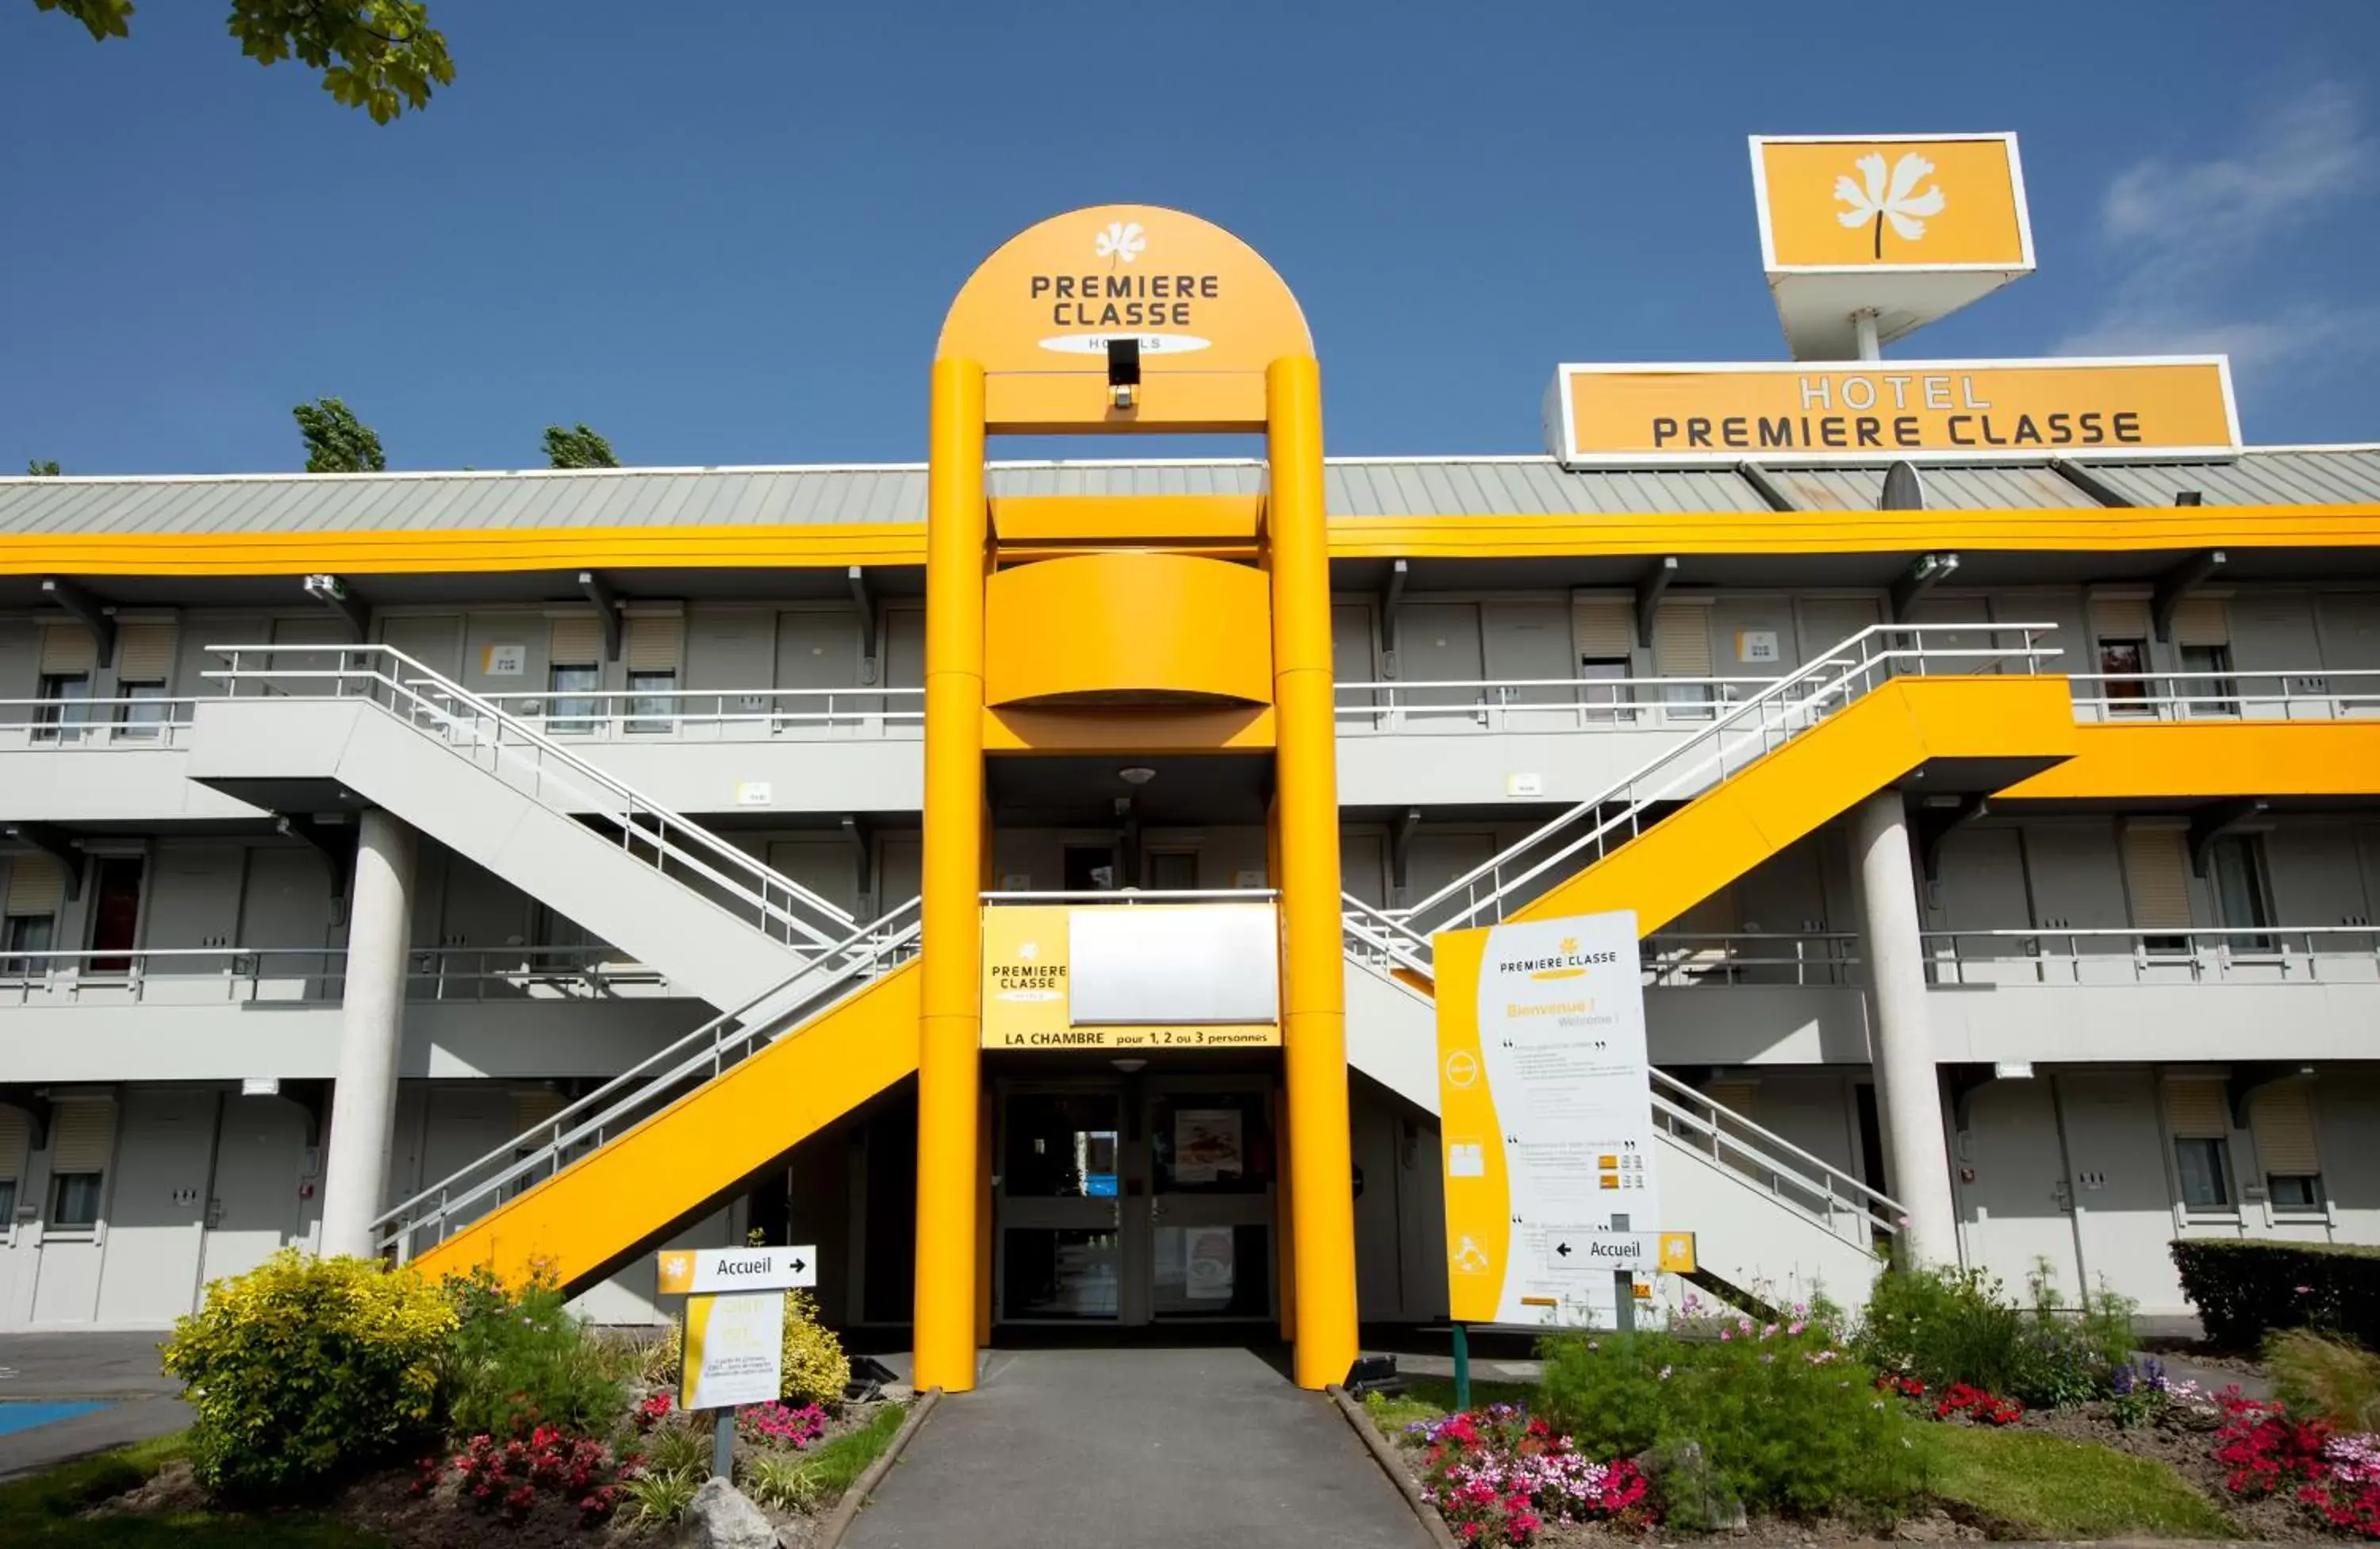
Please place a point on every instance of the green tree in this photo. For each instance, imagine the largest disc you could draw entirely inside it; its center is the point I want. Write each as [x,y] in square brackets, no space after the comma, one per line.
[381,55]
[42,467]
[579,447]
[337,441]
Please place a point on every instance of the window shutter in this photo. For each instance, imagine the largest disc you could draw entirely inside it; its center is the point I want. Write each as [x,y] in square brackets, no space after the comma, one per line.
[577,643]
[1682,646]
[82,1137]
[1605,629]
[2200,621]
[651,645]
[16,1138]
[533,1107]
[1734,1096]
[2284,1126]
[144,652]
[2120,618]
[2197,1109]
[2158,871]
[37,885]
[68,648]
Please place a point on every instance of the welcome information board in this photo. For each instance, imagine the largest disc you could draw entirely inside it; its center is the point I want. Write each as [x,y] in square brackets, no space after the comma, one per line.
[1543,1106]
[1623,416]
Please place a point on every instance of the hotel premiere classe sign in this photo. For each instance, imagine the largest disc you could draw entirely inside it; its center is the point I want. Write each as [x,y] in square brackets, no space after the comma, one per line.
[1622,416]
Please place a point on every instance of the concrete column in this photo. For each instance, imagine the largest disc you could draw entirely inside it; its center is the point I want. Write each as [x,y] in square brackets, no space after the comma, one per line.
[371,1026]
[1909,1094]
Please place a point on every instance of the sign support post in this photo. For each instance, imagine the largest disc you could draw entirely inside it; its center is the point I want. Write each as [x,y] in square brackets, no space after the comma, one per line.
[732,1330]
[1461,1366]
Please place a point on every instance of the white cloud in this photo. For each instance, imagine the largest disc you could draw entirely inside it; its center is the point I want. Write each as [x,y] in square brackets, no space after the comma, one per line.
[2192,232]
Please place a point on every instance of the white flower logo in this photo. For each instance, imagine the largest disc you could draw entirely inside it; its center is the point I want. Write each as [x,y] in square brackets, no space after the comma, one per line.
[1121,240]
[1900,204]
[1030,951]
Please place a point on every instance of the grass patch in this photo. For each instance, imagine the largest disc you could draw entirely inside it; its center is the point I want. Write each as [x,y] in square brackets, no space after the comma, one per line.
[46,1510]
[2043,1487]
[841,1460]
[1432,1398]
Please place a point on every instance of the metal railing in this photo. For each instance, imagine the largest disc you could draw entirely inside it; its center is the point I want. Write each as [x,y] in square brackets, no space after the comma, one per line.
[1795,1178]
[2341,695]
[1539,703]
[526,758]
[1742,736]
[719,715]
[87,723]
[1127,896]
[1684,959]
[2129,955]
[184,976]
[649,1086]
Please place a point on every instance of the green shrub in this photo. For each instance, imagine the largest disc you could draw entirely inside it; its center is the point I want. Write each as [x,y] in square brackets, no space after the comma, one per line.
[2326,1379]
[304,1370]
[1944,1326]
[519,1359]
[660,1499]
[2246,1291]
[1786,1421]
[677,1449]
[787,1483]
[816,1370]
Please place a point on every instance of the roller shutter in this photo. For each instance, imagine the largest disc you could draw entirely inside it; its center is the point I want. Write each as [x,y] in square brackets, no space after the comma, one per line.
[67,648]
[2201,621]
[82,1136]
[1604,629]
[1681,643]
[1734,1096]
[15,1139]
[37,885]
[2284,1126]
[2197,1109]
[2156,870]
[577,643]
[533,1107]
[652,644]
[144,652]
[2120,618]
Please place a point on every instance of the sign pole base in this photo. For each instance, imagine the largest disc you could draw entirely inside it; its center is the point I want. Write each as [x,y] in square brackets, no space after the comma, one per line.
[1623,1289]
[1462,1367]
[722,1444]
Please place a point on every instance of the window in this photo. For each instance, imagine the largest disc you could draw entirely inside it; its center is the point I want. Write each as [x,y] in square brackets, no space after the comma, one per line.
[7,1202]
[1603,704]
[2125,662]
[650,704]
[2286,1147]
[1171,870]
[66,707]
[116,912]
[74,1199]
[2236,866]
[2206,1172]
[2207,687]
[145,714]
[2295,1191]
[574,705]
[25,934]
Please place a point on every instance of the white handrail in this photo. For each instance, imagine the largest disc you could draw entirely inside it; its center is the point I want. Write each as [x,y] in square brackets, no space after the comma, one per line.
[2230,695]
[640,818]
[655,1081]
[1827,683]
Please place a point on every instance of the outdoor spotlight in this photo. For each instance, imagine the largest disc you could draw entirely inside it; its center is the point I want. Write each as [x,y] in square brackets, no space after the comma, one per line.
[1139,774]
[1130,1067]
[329,588]
[1124,372]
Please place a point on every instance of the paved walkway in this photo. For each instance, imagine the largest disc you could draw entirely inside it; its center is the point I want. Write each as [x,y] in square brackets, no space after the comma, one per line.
[1098,1449]
[136,1400]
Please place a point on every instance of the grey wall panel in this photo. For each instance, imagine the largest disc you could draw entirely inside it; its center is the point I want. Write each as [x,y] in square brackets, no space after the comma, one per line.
[156,1204]
[194,894]
[21,664]
[2315,874]
[904,665]
[2077,880]
[529,629]
[1734,617]
[2272,631]
[254,1211]
[433,639]
[1823,623]
[1439,642]
[827,866]
[480,909]
[729,648]
[204,628]
[2124,1207]
[1352,644]
[2010,1179]
[818,648]
[2349,626]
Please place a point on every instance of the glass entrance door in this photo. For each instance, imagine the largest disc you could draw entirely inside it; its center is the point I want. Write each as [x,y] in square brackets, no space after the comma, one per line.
[1061,1251]
[1209,1217]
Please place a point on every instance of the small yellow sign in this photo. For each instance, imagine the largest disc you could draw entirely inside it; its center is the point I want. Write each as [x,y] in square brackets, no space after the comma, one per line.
[1891,201]
[1951,410]
[1677,1252]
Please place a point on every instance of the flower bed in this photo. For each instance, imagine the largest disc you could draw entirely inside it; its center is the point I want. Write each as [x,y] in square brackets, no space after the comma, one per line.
[1498,1477]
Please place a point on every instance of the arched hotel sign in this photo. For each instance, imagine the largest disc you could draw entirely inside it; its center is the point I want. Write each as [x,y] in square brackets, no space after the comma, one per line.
[1207,314]
[1622,416]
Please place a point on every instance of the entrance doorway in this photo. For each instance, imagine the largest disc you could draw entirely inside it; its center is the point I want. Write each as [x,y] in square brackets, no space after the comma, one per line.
[1128,1200]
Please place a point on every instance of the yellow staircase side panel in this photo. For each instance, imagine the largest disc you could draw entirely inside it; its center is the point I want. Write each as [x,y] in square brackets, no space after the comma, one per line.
[2213,759]
[631,1188]
[1744,820]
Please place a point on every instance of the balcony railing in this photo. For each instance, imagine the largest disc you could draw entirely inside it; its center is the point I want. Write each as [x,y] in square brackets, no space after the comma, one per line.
[2345,694]
[297,975]
[2268,955]
[111,722]
[721,716]
[1539,704]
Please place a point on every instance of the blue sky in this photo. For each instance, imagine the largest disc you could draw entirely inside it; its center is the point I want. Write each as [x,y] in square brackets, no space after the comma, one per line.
[726,233]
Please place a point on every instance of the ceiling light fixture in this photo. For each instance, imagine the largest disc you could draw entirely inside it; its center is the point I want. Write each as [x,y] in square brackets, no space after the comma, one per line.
[1139,774]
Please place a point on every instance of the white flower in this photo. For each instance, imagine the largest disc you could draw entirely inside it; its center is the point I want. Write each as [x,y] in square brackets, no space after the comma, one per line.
[1124,239]
[1900,203]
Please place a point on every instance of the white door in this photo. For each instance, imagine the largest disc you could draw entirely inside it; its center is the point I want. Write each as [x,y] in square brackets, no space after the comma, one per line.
[1208,1216]
[1438,643]
[254,1212]
[2009,1178]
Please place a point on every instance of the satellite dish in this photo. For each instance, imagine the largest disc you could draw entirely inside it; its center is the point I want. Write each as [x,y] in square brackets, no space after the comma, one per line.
[1901,490]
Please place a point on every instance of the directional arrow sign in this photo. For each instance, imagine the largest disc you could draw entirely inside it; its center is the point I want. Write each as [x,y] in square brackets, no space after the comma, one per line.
[683,1271]
[1563,1249]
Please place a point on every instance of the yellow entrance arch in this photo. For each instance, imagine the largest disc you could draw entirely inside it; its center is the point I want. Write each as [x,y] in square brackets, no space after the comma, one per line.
[1129,318]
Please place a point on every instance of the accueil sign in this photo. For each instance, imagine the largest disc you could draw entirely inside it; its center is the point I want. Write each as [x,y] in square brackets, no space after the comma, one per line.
[1938,410]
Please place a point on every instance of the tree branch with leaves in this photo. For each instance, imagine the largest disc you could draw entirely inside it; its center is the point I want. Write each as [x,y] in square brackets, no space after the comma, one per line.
[337,441]
[379,55]
[578,448]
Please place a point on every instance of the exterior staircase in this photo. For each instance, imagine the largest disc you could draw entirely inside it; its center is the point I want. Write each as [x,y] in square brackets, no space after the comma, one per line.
[299,727]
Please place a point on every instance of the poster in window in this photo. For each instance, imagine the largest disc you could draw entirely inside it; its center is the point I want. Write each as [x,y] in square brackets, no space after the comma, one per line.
[1208,1272]
[1207,1145]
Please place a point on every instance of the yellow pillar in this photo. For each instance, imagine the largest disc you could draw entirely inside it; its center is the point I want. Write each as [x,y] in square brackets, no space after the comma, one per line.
[949,1025]
[1314,1016]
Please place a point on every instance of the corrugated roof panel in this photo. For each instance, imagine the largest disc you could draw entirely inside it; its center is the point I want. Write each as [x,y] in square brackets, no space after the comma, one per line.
[2342,478]
[1997,489]
[1831,489]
